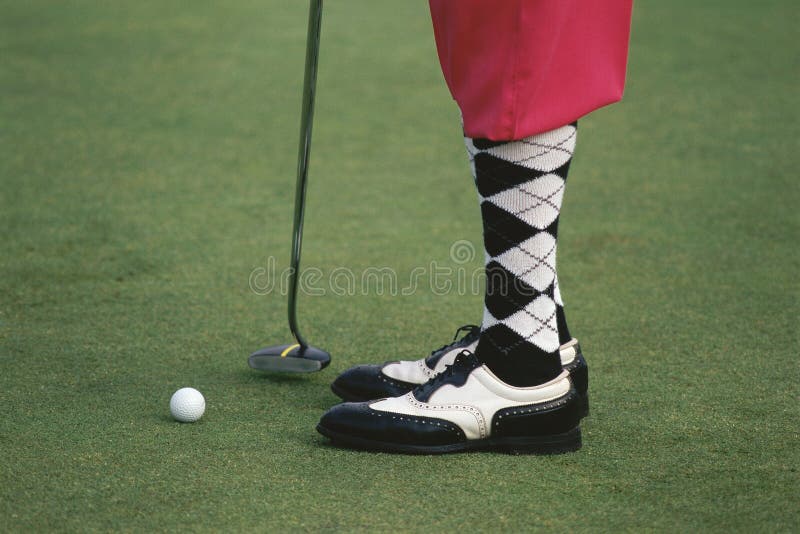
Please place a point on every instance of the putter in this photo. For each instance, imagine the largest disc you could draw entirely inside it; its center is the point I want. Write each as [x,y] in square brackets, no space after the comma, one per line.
[299,357]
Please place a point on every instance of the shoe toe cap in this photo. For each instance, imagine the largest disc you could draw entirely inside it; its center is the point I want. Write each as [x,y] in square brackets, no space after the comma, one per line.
[367,382]
[357,421]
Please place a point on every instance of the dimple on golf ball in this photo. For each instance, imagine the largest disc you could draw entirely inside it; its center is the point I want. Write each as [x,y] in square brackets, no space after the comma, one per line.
[187,405]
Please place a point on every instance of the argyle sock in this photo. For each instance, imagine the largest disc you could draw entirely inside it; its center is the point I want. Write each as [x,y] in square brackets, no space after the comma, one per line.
[520,185]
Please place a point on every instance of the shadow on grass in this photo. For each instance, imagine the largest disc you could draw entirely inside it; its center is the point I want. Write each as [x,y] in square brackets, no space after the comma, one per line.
[297,390]
[162,418]
[251,376]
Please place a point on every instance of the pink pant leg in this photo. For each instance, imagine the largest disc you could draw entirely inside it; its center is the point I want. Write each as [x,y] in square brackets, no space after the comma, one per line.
[521,67]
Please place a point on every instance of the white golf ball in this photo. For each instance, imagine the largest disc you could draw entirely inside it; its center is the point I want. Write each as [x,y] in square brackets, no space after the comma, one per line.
[187,405]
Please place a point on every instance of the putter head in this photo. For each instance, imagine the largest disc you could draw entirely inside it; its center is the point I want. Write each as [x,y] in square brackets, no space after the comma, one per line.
[293,358]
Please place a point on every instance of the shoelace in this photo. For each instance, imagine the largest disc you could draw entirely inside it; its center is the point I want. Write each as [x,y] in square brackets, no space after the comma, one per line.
[468,328]
[459,363]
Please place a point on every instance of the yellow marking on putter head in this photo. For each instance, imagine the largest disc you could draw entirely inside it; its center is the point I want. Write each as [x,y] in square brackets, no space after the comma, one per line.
[289,349]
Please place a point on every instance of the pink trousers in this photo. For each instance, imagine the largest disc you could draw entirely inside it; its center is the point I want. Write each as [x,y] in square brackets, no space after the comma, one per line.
[521,67]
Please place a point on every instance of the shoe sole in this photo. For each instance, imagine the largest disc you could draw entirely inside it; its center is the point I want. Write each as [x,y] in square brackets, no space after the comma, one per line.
[583,399]
[552,444]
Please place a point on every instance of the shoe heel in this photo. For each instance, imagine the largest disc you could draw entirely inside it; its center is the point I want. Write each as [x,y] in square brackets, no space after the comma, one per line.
[584,404]
[552,444]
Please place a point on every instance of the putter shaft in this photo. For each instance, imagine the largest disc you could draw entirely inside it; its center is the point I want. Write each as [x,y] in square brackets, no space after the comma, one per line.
[304,152]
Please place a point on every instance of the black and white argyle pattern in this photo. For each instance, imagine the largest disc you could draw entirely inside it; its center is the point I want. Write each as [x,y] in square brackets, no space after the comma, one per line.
[520,186]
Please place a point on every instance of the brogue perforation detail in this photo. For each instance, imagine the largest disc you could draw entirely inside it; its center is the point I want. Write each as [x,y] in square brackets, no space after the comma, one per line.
[536,408]
[393,382]
[430,373]
[460,407]
[451,427]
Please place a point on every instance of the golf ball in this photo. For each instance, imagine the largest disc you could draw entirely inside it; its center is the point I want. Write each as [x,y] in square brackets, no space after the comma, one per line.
[187,405]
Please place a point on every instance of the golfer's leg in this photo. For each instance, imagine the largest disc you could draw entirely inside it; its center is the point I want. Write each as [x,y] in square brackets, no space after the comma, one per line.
[520,71]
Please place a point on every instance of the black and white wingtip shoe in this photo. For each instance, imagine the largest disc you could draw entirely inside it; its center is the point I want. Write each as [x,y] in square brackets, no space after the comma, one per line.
[464,408]
[395,378]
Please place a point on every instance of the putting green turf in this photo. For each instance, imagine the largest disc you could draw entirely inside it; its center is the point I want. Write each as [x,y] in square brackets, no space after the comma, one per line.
[147,157]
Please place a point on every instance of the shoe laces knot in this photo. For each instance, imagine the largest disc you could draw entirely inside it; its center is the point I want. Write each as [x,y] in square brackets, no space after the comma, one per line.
[468,328]
[464,361]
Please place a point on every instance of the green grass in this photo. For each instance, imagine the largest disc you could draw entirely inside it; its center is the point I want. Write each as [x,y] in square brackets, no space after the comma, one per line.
[147,157]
